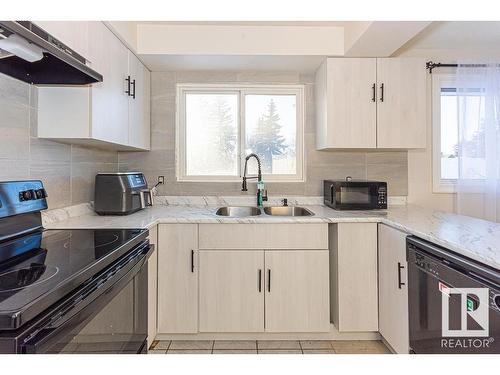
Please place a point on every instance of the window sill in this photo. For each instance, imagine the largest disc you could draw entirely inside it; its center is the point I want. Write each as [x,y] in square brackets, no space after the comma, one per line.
[240,179]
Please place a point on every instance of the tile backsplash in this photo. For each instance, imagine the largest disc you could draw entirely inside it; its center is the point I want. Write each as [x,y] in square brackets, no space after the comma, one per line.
[67,171]
[387,166]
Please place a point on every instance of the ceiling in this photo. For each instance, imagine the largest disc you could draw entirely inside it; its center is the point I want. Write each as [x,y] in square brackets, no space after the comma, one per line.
[458,35]
[443,35]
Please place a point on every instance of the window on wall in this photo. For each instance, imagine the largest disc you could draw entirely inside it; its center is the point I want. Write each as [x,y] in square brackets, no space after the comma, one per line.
[446,132]
[218,125]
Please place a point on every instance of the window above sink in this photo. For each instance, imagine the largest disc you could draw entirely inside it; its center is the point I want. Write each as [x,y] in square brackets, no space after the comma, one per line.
[218,125]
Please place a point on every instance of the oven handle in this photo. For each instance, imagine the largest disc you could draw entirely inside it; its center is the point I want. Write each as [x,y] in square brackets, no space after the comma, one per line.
[76,309]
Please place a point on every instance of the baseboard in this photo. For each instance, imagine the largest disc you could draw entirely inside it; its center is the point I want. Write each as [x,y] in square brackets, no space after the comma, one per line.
[333,334]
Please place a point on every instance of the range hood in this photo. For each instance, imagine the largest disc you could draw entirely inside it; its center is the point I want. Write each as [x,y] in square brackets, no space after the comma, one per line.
[30,54]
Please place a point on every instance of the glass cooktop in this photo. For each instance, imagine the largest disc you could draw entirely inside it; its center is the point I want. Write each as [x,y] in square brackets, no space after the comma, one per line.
[39,268]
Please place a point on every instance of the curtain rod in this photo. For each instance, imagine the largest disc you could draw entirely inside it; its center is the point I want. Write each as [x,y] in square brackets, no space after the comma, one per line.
[431,65]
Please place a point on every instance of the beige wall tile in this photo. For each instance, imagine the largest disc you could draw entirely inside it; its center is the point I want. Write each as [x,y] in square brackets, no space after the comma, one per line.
[13,114]
[11,170]
[56,179]
[67,171]
[320,165]
[14,143]
[13,90]
[44,149]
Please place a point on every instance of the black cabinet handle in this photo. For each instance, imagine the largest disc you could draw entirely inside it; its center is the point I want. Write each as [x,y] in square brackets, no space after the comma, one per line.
[260,281]
[269,280]
[192,260]
[127,91]
[382,92]
[374,92]
[400,267]
[133,92]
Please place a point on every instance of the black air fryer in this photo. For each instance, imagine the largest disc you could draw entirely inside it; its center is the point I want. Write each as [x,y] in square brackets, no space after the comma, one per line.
[121,193]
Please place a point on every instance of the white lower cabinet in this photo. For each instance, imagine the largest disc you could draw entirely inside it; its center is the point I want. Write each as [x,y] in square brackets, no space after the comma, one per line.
[297,292]
[353,270]
[207,286]
[177,278]
[231,291]
[393,292]
[264,291]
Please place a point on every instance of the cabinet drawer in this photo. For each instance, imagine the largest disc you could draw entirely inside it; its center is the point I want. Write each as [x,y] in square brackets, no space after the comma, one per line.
[263,236]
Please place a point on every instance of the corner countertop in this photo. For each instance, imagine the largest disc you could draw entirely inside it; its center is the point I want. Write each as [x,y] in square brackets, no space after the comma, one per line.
[474,238]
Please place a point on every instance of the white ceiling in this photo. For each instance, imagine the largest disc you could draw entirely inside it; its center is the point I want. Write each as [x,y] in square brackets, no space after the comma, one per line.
[458,35]
[450,35]
[305,64]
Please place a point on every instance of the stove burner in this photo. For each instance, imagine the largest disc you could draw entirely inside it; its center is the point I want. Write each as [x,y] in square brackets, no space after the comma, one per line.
[108,241]
[26,277]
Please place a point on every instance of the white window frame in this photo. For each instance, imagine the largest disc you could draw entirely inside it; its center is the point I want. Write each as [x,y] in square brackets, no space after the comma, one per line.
[439,185]
[242,90]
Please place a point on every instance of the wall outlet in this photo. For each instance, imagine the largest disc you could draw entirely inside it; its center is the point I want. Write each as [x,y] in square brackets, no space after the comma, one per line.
[161,180]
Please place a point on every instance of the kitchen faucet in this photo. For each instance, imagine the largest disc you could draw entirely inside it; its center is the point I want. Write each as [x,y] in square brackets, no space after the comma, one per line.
[261,193]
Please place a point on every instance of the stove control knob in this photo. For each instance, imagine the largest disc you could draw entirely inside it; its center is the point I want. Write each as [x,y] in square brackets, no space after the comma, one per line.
[40,193]
[27,195]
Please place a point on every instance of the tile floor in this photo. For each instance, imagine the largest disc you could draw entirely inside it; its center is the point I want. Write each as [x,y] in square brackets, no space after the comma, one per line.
[267,347]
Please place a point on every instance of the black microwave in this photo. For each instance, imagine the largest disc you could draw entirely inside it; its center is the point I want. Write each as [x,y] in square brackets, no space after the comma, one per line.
[355,194]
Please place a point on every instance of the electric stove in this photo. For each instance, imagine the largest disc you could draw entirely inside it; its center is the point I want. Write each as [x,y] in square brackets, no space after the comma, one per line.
[50,277]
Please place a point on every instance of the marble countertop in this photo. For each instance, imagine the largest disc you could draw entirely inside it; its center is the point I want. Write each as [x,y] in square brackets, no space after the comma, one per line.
[474,238]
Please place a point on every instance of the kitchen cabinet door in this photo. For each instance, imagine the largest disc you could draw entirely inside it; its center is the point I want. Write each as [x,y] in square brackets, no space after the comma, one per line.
[297,292]
[109,100]
[153,287]
[401,110]
[345,107]
[393,292]
[177,278]
[231,291]
[139,104]
[353,265]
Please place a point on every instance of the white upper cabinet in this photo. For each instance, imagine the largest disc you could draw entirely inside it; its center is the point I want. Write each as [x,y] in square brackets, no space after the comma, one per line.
[370,103]
[401,114]
[104,113]
[346,113]
[139,104]
[109,100]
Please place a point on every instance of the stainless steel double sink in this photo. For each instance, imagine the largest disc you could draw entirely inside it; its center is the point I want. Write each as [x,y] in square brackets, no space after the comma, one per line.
[242,211]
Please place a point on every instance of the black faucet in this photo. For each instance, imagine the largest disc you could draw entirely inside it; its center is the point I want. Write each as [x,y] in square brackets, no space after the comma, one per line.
[260,193]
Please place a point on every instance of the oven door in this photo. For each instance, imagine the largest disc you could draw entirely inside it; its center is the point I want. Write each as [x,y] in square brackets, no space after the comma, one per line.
[354,195]
[107,315]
